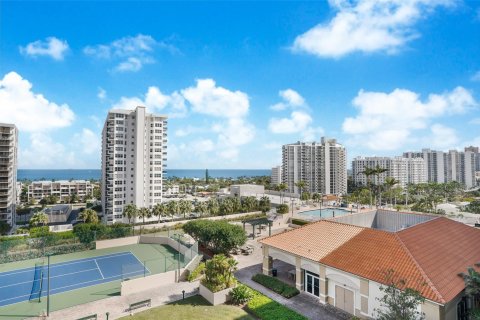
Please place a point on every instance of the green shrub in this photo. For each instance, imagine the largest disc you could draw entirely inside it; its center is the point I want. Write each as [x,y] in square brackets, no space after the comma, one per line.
[282,209]
[241,294]
[276,285]
[219,273]
[267,309]
[299,222]
[197,273]
[37,232]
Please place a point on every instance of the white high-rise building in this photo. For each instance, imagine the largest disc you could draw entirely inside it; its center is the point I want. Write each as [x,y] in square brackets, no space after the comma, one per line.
[134,155]
[404,170]
[8,172]
[448,166]
[276,177]
[323,166]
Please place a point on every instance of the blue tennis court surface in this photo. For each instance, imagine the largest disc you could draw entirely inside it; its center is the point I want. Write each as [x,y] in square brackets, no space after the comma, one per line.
[31,283]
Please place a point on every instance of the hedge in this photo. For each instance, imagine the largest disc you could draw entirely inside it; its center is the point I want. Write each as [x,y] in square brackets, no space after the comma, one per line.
[276,285]
[299,222]
[266,309]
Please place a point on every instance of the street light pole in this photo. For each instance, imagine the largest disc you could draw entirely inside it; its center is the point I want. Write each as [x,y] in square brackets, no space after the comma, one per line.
[48,285]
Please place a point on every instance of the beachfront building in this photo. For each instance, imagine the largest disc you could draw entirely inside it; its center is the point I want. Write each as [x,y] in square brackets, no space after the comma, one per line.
[62,189]
[404,170]
[344,261]
[322,165]
[448,166]
[276,176]
[247,190]
[8,172]
[134,155]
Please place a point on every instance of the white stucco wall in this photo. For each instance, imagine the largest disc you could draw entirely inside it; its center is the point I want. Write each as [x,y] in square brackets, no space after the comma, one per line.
[338,278]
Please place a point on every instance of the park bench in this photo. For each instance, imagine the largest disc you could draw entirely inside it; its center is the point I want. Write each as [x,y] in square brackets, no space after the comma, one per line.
[90,317]
[140,304]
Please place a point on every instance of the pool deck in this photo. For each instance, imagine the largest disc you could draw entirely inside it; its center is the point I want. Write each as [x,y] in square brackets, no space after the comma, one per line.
[297,212]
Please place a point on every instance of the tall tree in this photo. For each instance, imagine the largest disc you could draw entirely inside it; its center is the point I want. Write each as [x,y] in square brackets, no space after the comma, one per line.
[173,208]
[390,182]
[159,210]
[130,212]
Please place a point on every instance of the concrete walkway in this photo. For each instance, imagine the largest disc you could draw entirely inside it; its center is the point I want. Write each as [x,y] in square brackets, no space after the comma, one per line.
[303,303]
[117,306]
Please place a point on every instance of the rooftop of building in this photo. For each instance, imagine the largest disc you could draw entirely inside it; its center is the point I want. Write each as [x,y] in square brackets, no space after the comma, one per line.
[60,181]
[429,254]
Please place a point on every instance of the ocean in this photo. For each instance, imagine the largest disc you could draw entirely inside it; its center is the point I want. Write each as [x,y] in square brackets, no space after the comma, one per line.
[87,174]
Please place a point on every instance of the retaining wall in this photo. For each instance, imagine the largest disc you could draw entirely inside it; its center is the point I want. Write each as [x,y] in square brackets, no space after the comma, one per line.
[102,244]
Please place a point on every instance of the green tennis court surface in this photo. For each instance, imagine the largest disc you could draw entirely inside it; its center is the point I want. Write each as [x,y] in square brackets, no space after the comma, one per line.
[156,259]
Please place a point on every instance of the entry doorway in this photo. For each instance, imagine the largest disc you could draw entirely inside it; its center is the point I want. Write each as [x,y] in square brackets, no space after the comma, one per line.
[344,299]
[312,283]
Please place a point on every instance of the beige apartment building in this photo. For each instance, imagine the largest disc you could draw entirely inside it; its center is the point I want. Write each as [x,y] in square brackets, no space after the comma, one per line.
[62,189]
[8,172]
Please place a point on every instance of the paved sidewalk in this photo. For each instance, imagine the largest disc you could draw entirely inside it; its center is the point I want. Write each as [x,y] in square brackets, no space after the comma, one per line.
[117,306]
[302,303]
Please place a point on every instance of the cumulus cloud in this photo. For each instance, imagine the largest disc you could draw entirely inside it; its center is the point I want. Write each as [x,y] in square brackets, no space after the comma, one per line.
[291,99]
[299,120]
[51,47]
[102,94]
[155,101]
[131,53]
[442,137]
[29,111]
[89,141]
[228,109]
[367,26]
[208,98]
[43,152]
[386,121]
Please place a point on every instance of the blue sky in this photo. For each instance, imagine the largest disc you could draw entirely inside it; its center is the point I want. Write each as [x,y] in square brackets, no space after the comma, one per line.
[239,79]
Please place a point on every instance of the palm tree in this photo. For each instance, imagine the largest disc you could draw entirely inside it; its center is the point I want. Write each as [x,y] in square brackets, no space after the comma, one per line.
[184,206]
[130,212]
[201,208]
[301,185]
[249,204]
[144,213]
[159,210]
[390,182]
[88,216]
[213,206]
[282,187]
[173,208]
[264,204]
[39,219]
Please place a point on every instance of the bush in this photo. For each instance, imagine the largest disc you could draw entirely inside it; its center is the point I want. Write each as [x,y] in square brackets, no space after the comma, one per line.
[282,209]
[241,294]
[197,273]
[89,232]
[37,232]
[217,236]
[299,222]
[276,285]
[219,273]
[267,309]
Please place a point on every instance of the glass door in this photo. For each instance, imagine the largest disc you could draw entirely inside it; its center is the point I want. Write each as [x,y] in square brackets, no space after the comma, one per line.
[312,283]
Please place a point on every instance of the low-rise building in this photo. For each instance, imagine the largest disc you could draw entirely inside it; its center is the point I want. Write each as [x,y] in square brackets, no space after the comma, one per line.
[63,190]
[246,190]
[345,261]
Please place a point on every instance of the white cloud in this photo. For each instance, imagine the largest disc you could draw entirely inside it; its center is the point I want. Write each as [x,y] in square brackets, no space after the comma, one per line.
[102,94]
[89,141]
[43,153]
[51,46]
[29,111]
[476,76]
[386,121]
[155,101]
[207,98]
[291,99]
[298,122]
[313,134]
[273,146]
[475,121]
[131,52]
[367,26]
[442,137]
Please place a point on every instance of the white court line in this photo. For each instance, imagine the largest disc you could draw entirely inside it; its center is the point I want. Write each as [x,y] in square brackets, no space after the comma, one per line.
[60,264]
[143,264]
[60,275]
[28,295]
[99,269]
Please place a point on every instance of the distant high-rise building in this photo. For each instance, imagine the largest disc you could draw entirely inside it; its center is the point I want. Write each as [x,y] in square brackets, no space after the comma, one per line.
[323,166]
[476,152]
[134,155]
[448,166]
[276,176]
[8,172]
[404,170]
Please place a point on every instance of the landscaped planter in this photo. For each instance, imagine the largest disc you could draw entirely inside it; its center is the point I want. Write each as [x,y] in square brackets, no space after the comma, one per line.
[215,298]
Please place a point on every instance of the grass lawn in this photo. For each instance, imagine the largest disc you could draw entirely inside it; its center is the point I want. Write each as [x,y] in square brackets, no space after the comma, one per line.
[196,308]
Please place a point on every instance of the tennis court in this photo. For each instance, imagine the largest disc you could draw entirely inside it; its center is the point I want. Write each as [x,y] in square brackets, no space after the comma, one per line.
[31,283]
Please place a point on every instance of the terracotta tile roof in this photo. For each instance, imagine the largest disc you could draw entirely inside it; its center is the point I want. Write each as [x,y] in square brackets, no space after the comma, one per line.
[429,255]
[443,248]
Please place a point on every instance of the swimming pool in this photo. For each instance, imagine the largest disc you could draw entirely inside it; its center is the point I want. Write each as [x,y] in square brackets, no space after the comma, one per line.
[326,213]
